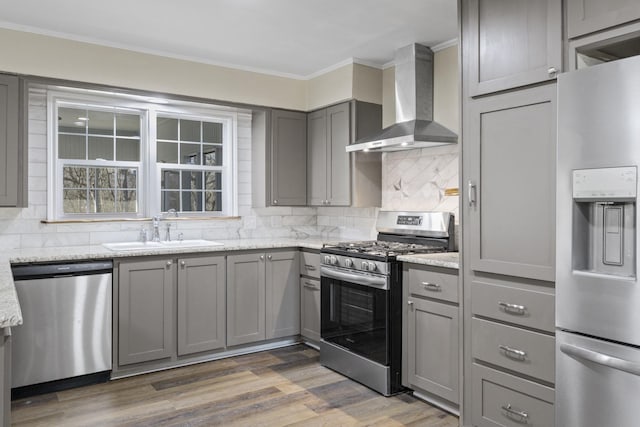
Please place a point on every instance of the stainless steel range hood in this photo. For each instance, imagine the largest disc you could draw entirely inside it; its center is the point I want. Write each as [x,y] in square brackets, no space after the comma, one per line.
[414,126]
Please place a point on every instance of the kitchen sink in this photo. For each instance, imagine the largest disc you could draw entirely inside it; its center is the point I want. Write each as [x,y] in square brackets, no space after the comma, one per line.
[135,246]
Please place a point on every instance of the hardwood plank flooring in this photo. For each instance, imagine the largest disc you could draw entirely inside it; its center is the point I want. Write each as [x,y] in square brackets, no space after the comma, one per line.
[282,387]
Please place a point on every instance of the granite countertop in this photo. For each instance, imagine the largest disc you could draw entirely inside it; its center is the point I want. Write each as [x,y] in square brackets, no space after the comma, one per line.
[10,313]
[443,259]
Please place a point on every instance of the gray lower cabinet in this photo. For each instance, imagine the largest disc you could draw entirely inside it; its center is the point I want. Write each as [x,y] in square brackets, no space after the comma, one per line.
[511,43]
[288,155]
[263,296]
[201,304]
[146,298]
[310,308]
[431,341]
[5,376]
[589,16]
[13,185]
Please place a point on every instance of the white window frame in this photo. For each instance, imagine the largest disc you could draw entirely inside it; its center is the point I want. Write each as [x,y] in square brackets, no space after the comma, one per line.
[149,171]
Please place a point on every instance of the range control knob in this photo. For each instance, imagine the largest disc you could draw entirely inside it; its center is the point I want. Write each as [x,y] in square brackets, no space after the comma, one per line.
[333,260]
[365,266]
[372,266]
[348,263]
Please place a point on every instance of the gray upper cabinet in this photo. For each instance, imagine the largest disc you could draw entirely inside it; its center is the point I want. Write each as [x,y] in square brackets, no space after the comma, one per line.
[512,43]
[282,294]
[288,166]
[201,304]
[588,16]
[328,134]
[13,184]
[145,311]
[511,141]
[245,298]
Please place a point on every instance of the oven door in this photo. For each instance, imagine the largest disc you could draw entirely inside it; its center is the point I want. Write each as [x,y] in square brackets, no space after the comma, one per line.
[355,313]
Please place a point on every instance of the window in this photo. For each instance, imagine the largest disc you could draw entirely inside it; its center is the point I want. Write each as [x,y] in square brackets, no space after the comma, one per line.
[117,157]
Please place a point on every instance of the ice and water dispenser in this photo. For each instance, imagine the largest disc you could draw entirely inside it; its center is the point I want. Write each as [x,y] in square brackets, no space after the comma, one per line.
[604,212]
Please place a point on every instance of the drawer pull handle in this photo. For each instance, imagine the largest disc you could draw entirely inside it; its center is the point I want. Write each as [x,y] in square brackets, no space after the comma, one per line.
[310,267]
[310,285]
[513,308]
[522,416]
[431,287]
[513,353]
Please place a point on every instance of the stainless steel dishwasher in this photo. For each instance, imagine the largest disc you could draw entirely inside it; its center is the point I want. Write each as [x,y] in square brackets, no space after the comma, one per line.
[65,339]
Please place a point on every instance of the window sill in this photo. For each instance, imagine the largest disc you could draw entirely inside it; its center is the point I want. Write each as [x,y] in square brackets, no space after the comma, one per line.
[92,220]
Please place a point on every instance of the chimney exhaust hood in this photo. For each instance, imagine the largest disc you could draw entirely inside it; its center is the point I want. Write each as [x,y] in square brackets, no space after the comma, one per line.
[414,126]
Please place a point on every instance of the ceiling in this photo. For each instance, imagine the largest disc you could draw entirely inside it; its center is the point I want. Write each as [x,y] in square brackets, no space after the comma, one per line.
[291,38]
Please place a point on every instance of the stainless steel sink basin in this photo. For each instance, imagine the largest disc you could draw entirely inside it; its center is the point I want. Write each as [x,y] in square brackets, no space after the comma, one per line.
[135,246]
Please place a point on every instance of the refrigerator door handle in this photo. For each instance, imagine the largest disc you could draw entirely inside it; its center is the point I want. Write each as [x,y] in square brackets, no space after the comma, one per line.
[601,359]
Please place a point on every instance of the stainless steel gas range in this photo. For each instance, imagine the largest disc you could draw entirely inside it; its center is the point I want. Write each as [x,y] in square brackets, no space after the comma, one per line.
[361,296]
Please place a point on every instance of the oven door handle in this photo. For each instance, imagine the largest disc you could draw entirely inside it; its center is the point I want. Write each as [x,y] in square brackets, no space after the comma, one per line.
[378,282]
[601,359]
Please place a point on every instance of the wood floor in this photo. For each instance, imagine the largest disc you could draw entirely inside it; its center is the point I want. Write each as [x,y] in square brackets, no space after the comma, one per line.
[283,387]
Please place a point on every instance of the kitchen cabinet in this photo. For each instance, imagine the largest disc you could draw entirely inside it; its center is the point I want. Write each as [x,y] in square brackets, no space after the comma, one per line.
[310,295]
[589,16]
[431,318]
[170,307]
[288,155]
[146,301]
[5,378]
[263,296]
[13,152]
[201,304]
[511,43]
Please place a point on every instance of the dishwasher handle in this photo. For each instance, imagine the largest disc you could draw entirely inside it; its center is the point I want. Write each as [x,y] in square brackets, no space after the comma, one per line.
[43,271]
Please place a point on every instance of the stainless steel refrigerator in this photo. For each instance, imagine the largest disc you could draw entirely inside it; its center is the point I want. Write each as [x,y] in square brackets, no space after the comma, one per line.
[597,288]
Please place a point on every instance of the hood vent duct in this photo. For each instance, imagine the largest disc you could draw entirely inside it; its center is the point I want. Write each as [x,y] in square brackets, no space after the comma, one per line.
[414,126]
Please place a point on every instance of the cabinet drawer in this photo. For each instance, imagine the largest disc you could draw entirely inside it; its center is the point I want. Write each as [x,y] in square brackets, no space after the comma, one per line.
[433,284]
[501,399]
[534,309]
[310,264]
[530,353]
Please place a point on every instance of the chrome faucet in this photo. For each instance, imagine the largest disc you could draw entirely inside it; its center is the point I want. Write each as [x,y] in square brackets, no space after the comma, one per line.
[156,225]
[156,229]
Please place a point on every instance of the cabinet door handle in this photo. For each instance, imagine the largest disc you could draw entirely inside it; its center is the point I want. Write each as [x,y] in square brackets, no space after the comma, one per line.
[434,287]
[169,264]
[410,304]
[275,202]
[261,257]
[472,193]
[183,264]
[513,353]
[553,72]
[269,257]
[522,417]
[310,267]
[513,308]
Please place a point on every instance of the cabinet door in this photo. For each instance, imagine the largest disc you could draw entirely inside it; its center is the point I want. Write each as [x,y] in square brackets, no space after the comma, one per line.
[588,16]
[282,294]
[145,315]
[511,139]
[9,142]
[432,344]
[512,43]
[310,308]
[245,298]
[201,304]
[288,158]
[317,157]
[338,173]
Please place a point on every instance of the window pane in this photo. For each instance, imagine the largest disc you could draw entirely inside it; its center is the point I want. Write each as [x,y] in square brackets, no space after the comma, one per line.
[102,201]
[100,148]
[167,128]
[190,154]
[102,178]
[74,177]
[170,200]
[212,132]
[127,201]
[72,147]
[190,131]
[213,181]
[74,201]
[128,178]
[212,154]
[69,120]
[212,201]
[191,201]
[191,180]
[170,180]
[100,123]
[128,150]
[167,152]
[127,124]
